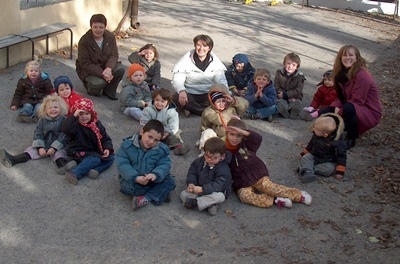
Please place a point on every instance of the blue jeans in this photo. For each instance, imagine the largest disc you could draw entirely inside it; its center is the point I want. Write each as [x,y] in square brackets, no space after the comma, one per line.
[154,192]
[92,162]
[263,112]
[29,109]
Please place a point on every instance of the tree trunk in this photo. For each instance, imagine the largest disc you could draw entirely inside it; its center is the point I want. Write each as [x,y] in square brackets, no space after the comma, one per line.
[125,18]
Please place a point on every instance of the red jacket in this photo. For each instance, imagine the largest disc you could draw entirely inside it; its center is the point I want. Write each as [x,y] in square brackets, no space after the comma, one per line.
[324,96]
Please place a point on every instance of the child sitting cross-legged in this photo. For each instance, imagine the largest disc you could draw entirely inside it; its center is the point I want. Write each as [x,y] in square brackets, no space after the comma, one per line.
[250,175]
[209,178]
[163,109]
[48,140]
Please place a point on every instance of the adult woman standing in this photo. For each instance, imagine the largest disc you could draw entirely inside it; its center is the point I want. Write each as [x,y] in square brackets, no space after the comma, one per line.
[194,74]
[97,64]
[358,95]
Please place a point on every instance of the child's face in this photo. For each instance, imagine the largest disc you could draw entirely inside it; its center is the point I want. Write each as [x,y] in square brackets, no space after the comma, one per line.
[239,66]
[84,117]
[138,77]
[53,109]
[261,81]
[213,159]
[328,82]
[160,103]
[349,58]
[234,138]
[150,138]
[290,66]
[221,104]
[149,56]
[33,72]
[64,90]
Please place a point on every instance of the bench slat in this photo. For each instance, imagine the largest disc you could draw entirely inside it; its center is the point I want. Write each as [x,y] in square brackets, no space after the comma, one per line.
[46,30]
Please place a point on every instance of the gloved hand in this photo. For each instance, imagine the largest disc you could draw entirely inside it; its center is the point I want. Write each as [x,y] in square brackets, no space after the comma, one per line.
[309,109]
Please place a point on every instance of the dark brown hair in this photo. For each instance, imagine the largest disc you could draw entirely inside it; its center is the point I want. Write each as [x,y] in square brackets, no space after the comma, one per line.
[204,38]
[215,145]
[164,93]
[153,48]
[98,18]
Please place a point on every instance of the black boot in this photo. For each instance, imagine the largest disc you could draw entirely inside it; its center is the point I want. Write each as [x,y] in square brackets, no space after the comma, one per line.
[63,165]
[10,160]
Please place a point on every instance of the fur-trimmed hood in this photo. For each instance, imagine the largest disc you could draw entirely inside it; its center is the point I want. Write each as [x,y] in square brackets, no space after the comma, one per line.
[339,124]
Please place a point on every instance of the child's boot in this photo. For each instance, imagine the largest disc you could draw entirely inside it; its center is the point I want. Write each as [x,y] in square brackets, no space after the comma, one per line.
[283,202]
[63,165]
[181,149]
[213,209]
[9,160]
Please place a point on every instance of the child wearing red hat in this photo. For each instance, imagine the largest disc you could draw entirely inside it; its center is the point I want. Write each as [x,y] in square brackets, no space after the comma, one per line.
[88,142]
[136,94]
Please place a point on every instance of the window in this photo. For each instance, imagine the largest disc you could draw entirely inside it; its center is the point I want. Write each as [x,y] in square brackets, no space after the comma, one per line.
[25,4]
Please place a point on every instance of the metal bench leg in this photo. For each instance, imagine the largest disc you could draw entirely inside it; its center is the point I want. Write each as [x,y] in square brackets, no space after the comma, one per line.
[8,57]
[72,37]
[47,44]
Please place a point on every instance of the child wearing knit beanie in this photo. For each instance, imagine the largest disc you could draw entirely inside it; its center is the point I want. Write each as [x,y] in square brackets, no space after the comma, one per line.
[63,87]
[136,94]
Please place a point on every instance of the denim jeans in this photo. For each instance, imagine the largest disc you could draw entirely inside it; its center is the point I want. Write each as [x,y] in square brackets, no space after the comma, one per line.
[134,112]
[29,109]
[154,192]
[263,112]
[92,162]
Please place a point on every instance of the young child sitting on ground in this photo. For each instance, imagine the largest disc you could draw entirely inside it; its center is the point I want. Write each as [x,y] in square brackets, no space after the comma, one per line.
[209,178]
[238,74]
[148,58]
[63,87]
[289,83]
[325,96]
[249,173]
[48,140]
[325,153]
[163,109]
[144,165]
[261,95]
[136,94]
[222,108]
[88,142]
[30,91]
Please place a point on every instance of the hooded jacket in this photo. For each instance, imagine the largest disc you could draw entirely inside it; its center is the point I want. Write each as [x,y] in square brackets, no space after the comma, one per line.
[168,116]
[133,94]
[91,59]
[31,93]
[332,148]
[291,86]
[216,119]
[239,79]
[48,134]
[268,98]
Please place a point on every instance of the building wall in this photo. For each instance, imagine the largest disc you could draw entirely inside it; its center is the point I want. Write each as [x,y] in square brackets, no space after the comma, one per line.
[357,5]
[77,12]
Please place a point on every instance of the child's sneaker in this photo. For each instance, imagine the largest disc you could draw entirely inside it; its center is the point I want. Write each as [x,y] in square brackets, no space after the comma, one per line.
[71,178]
[283,109]
[139,201]
[270,118]
[213,209]
[283,202]
[69,166]
[305,198]
[93,174]
[198,143]
[190,203]
[181,150]
[307,176]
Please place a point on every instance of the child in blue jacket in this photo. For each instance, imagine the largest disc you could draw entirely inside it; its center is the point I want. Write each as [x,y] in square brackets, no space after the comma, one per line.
[238,74]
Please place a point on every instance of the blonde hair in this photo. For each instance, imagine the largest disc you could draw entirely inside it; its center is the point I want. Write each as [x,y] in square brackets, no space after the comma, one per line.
[33,63]
[325,124]
[49,99]
[262,72]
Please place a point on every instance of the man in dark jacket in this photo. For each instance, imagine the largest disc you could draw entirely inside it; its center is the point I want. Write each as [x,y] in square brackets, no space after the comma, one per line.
[97,64]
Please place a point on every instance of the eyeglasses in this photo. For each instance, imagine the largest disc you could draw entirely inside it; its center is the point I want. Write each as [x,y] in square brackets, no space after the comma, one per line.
[212,157]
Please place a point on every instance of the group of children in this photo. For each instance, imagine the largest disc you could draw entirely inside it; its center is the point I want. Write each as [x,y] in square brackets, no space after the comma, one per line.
[70,132]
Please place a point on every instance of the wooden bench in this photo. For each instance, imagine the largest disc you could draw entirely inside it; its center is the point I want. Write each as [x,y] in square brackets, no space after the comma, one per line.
[31,35]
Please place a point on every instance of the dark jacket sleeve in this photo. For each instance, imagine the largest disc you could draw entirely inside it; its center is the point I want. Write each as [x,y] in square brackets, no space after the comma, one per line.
[19,91]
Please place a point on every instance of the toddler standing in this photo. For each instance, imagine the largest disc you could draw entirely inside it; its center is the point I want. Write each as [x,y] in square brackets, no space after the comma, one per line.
[148,58]
[32,87]
[136,94]
[48,140]
[64,88]
[88,142]
[289,84]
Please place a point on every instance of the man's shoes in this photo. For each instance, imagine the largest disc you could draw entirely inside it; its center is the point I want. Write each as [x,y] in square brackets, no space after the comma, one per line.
[93,174]
[305,198]
[181,150]
[283,202]
[190,203]
[71,178]
[307,177]
[69,166]
[213,209]
[138,202]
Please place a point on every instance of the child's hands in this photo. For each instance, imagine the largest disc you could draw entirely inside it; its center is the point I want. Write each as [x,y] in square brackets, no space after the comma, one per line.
[190,188]
[339,177]
[51,151]
[42,152]
[143,52]
[279,94]
[77,112]
[237,130]
[13,107]
[309,109]
[142,180]
[165,136]
[106,153]
[228,98]
[198,189]
[150,177]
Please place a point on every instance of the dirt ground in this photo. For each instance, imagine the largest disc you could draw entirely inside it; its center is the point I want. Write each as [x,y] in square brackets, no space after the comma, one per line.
[44,219]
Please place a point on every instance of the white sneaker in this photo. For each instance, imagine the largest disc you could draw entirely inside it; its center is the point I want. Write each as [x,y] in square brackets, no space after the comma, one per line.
[198,143]
[283,202]
[305,198]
